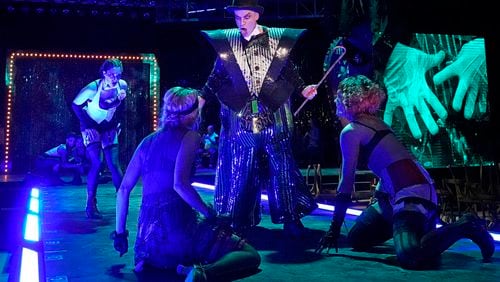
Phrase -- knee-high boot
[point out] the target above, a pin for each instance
(468, 226)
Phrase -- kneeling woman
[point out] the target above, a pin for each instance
(170, 232)
(406, 206)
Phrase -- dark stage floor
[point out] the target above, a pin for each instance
(79, 249)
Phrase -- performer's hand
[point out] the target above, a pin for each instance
(120, 241)
(470, 67)
(218, 221)
(211, 215)
(330, 239)
(122, 94)
(408, 89)
(310, 92)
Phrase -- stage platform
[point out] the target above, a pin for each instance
(78, 249)
(13, 199)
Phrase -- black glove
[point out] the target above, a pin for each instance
(330, 239)
(120, 241)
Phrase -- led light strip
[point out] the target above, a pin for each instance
(29, 266)
(9, 79)
(31, 257)
(325, 207)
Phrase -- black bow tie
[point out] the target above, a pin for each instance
(259, 39)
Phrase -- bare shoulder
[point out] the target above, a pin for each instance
(87, 93)
(350, 132)
(123, 84)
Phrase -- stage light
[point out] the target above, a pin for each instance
(35, 193)
(32, 227)
(495, 236)
(200, 11)
(29, 266)
(34, 205)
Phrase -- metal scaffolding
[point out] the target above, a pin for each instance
(162, 11)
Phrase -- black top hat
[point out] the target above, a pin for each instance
(252, 5)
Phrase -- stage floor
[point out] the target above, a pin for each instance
(79, 249)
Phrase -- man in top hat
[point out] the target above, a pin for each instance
(253, 79)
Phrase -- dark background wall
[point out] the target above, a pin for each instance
(185, 58)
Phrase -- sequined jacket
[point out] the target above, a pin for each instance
(267, 72)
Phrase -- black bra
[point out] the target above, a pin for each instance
(366, 150)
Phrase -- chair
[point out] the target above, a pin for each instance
(474, 195)
(314, 187)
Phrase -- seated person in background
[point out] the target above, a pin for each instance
(170, 233)
(81, 154)
(59, 161)
(406, 207)
(211, 145)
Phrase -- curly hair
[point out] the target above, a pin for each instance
(180, 107)
(358, 94)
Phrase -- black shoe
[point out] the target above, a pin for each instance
(93, 213)
(476, 231)
(294, 229)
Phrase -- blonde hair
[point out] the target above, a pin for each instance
(358, 94)
(180, 107)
